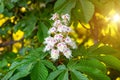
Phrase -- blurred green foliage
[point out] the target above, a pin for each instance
(98, 42)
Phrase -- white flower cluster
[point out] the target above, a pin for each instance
(58, 42)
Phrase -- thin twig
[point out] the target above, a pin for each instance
(9, 43)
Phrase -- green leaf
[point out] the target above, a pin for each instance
(80, 51)
(39, 72)
(94, 73)
(19, 75)
(110, 61)
(42, 31)
(61, 67)
(27, 24)
(83, 11)
(18, 64)
(63, 75)
(59, 4)
(104, 50)
(14, 1)
(9, 5)
(7, 13)
(14, 64)
(30, 25)
(76, 75)
(1, 7)
(37, 54)
(72, 64)
(54, 74)
(8, 75)
(20, 25)
(102, 6)
(3, 63)
(93, 48)
(24, 70)
(24, 65)
(93, 63)
(23, 3)
(49, 64)
(64, 6)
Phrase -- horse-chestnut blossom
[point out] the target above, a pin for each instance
(59, 42)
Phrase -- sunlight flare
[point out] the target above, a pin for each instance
(116, 18)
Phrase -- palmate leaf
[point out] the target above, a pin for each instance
(110, 61)
(17, 64)
(93, 47)
(94, 73)
(61, 67)
(8, 75)
(104, 50)
(59, 4)
(72, 64)
(91, 67)
(20, 75)
(63, 75)
(76, 75)
(25, 64)
(83, 11)
(23, 68)
(14, 66)
(23, 71)
(36, 54)
(49, 64)
(94, 63)
(39, 72)
(54, 74)
(97, 50)
(64, 6)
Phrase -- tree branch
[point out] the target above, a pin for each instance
(9, 43)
